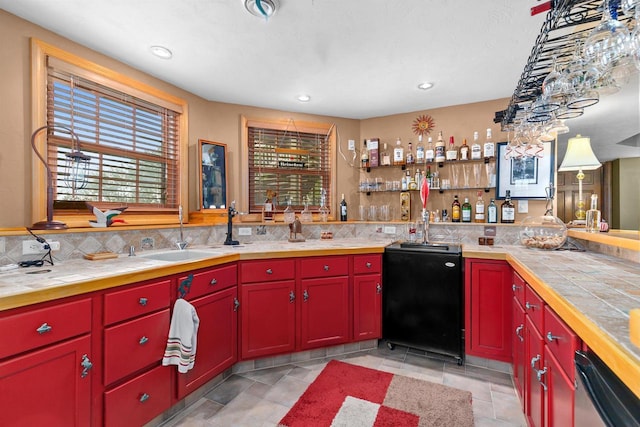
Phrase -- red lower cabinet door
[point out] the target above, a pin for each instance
(367, 307)
(324, 312)
(267, 316)
(518, 349)
(140, 399)
(560, 393)
(217, 339)
(535, 393)
(48, 387)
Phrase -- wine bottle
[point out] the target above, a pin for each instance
(479, 216)
(508, 211)
(343, 209)
(440, 155)
(466, 210)
(398, 154)
(492, 212)
(364, 157)
(455, 209)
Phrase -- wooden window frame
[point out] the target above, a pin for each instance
(40, 51)
(288, 125)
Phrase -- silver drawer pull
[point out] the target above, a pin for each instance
(86, 366)
(552, 337)
(515, 287)
(378, 288)
(144, 397)
(292, 296)
(213, 282)
(535, 360)
(530, 306)
(143, 340)
(236, 304)
(143, 301)
(305, 296)
(368, 265)
(326, 268)
(269, 271)
(43, 329)
(539, 374)
(518, 330)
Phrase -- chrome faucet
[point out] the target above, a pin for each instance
(425, 226)
(182, 244)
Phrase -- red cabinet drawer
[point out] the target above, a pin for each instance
(32, 329)
(534, 306)
(267, 271)
(518, 288)
(212, 280)
(561, 340)
(329, 266)
(136, 301)
(134, 345)
(138, 401)
(370, 263)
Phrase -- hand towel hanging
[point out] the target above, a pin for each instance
(183, 333)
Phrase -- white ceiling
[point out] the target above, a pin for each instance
(355, 58)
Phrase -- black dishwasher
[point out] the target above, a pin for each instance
(423, 298)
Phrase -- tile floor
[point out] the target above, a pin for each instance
(262, 397)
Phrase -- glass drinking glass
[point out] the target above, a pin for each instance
(477, 170)
(455, 176)
(608, 40)
(466, 174)
(373, 212)
(362, 213)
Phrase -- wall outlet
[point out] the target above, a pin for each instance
(244, 231)
(523, 206)
(389, 229)
(352, 144)
(31, 247)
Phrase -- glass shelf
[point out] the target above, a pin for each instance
(440, 190)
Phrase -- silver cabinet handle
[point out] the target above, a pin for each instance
(292, 296)
(539, 374)
(530, 306)
(305, 296)
(518, 330)
(144, 397)
(378, 288)
(143, 340)
(326, 268)
(44, 328)
(552, 337)
(86, 366)
(269, 271)
(236, 304)
(368, 265)
(535, 360)
(515, 287)
(213, 282)
(143, 301)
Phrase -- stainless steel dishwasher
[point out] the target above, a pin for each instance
(423, 298)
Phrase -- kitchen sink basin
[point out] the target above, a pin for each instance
(176, 255)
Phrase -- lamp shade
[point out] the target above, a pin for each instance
(579, 155)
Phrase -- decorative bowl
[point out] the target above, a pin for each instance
(543, 232)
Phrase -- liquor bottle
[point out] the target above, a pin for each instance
(420, 151)
(364, 157)
(429, 177)
(479, 217)
(306, 215)
(440, 157)
(412, 184)
(398, 154)
(268, 207)
(508, 211)
(476, 149)
(455, 209)
(418, 178)
(289, 213)
(429, 154)
(410, 159)
(324, 211)
(404, 184)
(452, 152)
(492, 212)
(593, 216)
(343, 209)
(385, 157)
(489, 146)
(466, 210)
(463, 150)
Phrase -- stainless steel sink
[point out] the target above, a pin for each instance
(176, 255)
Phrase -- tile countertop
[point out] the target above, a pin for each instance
(592, 292)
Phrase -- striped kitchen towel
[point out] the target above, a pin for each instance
(183, 334)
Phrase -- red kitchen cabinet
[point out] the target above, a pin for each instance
(520, 369)
(560, 392)
(217, 339)
(267, 318)
(534, 391)
(48, 387)
(367, 297)
(324, 312)
(488, 306)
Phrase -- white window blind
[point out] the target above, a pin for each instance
(133, 143)
(294, 164)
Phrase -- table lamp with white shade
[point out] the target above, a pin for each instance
(579, 157)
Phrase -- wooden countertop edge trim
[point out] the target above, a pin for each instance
(611, 352)
(607, 239)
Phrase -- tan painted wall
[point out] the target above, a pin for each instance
(208, 120)
(626, 194)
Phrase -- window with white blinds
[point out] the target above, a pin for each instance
(133, 143)
(294, 164)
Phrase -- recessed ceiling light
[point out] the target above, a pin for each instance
(425, 86)
(261, 8)
(161, 52)
(304, 98)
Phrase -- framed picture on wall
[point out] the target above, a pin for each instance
(527, 177)
(212, 158)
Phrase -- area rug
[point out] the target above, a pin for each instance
(354, 396)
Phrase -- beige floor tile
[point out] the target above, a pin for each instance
(286, 391)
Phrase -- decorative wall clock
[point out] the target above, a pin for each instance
(423, 125)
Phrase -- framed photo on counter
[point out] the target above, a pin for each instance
(527, 177)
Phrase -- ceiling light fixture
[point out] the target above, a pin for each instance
(304, 98)
(261, 8)
(161, 52)
(425, 86)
